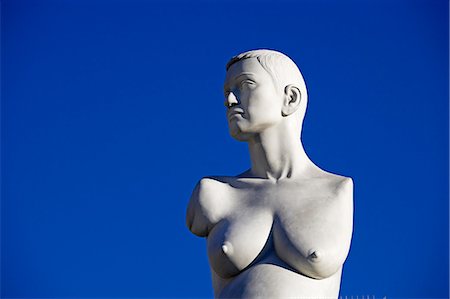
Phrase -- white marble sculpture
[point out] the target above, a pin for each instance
(281, 229)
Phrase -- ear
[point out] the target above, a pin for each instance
(292, 99)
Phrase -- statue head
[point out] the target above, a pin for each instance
(263, 89)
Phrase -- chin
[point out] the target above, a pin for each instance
(239, 135)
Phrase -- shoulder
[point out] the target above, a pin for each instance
(339, 212)
(337, 204)
(211, 189)
(207, 205)
(340, 186)
(340, 196)
(332, 248)
(343, 186)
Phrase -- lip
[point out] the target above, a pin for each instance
(235, 115)
(234, 112)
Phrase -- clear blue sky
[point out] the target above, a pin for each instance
(112, 111)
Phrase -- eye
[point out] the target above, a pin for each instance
(246, 83)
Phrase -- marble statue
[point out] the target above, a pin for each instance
(281, 229)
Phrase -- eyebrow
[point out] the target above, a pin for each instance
(246, 74)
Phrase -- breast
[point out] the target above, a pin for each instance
(313, 235)
(236, 241)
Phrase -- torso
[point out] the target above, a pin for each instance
(262, 235)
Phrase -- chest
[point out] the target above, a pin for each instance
(294, 217)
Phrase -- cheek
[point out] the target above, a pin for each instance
(264, 106)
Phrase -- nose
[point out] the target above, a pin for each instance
(231, 100)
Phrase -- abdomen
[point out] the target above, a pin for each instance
(272, 278)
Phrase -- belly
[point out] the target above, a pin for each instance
(272, 278)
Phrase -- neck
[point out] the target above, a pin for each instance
(278, 153)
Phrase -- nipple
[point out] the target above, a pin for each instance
(314, 255)
(227, 248)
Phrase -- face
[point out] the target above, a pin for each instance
(252, 100)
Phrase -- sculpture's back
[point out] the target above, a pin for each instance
(282, 228)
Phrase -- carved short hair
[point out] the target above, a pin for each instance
(279, 66)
